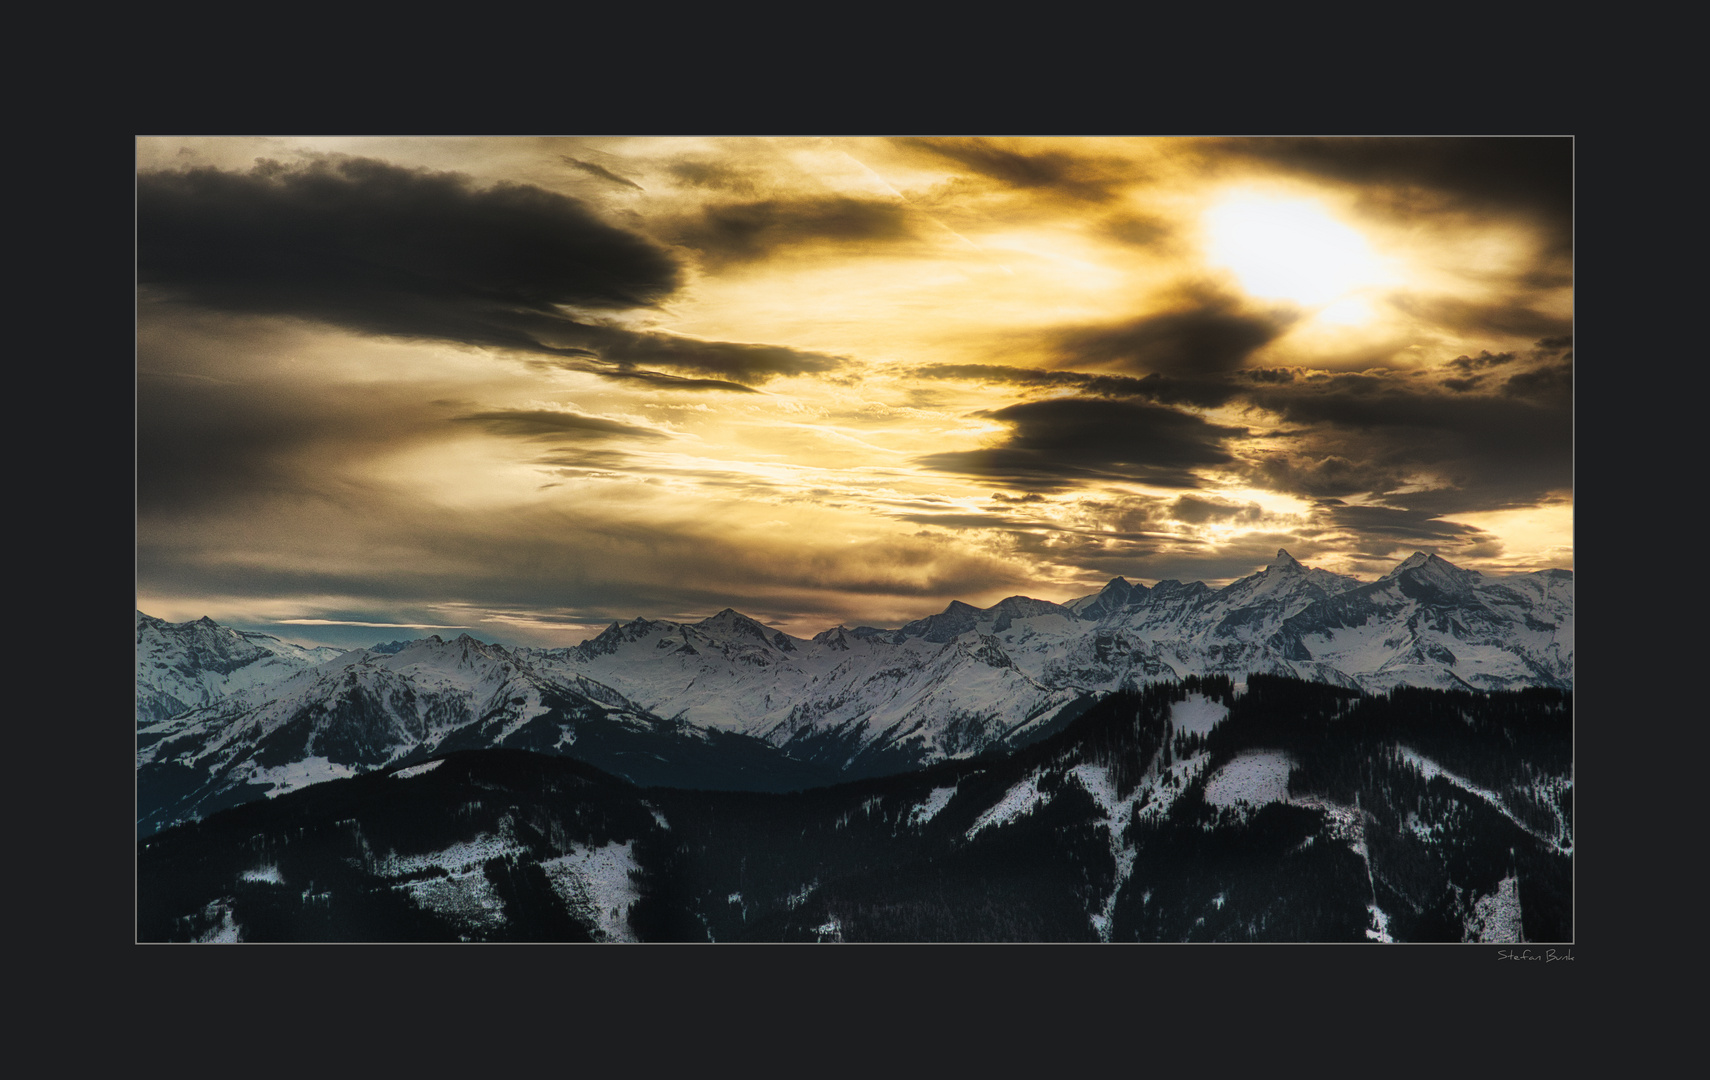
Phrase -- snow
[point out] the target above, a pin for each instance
(1496, 918)
(458, 858)
(1378, 916)
(1018, 800)
(1198, 714)
(596, 885)
(1254, 777)
(799, 897)
(1430, 769)
(226, 933)
(467, 898)
(299, 774)
(1097, 781)
(928, 808)
(266, 874)
(832, 928)
(1168, 784)
(417, 770)
(464, 895)
(1348, 824)
(728, 671)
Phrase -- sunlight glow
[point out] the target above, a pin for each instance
(1290, 249)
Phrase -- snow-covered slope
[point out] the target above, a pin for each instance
(861, 701)
(184, 665)
(367, 709)
(844, 693)
(957, 682)
(1430, 623)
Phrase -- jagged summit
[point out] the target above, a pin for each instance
(1413, 561)
(1434, 574)
(1284, 561)
(732, 620)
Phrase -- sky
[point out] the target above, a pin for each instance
(524, 387)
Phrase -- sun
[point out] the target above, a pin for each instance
(1294, 250)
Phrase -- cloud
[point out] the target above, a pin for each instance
(1324, 476)
(718, 176)
(745, 232)
(554, 424)
(204, 443)
(671, 382)
(1168, 391)
(1470, 318)
(1384, 433)
(1550, 385)
(1467, 365)
(1208, 335)
(739, 361)
(385, 250)
(1474, 369)
(373, 246)
(1196, 511)
(1527, 177)
(1378, 525)
(1063, 441)
(1082, 177)
(600, 171)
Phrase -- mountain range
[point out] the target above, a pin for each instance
(225, 717)
(1195, 811)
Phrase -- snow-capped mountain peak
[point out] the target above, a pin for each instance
(181, 666)
(1284, 561)
(1433, 574)
(949, 685)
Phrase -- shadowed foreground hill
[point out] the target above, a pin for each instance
(1292, 812)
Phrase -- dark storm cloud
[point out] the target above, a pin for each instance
(1197, 511)
(1372, 432)
(1378, 524)
(1208, 336)
(1474, 369)
(1078, 176)
(739, 361)
(1326, 476)
(744, 232)
(551, 424)
(385, 250)
(1551, 384)
(1061, 441)
(675, 382)
(1530, 177)
(1154, 387)
(1467, 365)
(600, 171)
(1368, 401)
(366, 244)
(618, 352)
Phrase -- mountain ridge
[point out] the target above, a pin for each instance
(861, 701)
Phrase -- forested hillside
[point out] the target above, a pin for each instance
(1279, 810)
